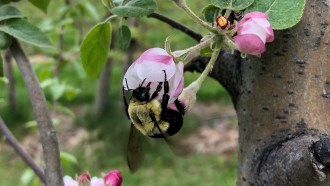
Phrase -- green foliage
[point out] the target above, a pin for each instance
(1, 67)
(41, 4)
(25, 31)
(135, 8)
(232, 4)
(8, 12)
(124, 37)
(94, 49)
(282, 14)
(5, 40)
(210, 13)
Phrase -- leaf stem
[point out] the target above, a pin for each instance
(182, 4)
(109, 18)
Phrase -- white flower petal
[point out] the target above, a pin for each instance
(95, 181)
(68, 181)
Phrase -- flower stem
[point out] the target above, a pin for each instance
(208, 68)
(182, 4)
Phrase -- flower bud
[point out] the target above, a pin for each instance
(253, 31)
(113, 178)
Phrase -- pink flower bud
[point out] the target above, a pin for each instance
(150, 67)
(113, 178)
(254, 30)
(84, 179)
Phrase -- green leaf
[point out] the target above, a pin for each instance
(232, 4)
(94, 49)
(41, 4)
(1, 67)
(65, 156)
(135, 8)
(5, 40)
(27, 176)
(25, 31)
(210, 13)
(282, 13)
(124, 37)
(8, 12)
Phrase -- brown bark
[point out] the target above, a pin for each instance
(282, 101)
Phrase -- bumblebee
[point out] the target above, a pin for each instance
(150, 117)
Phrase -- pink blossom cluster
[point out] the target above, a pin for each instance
(112, 178)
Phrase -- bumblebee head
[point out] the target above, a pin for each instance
(141, 93)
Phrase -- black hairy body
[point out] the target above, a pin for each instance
(150, 117)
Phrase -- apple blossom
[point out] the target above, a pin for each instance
(68, 181)
(113, 178)
(253, 31)
(149, 67)
(84, 179)
(95, 181)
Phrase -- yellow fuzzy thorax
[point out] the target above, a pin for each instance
(139, 113)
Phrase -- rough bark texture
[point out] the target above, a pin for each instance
(282, 101)
(283, 104)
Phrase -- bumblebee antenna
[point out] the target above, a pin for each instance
(142, 82)
(127, 85)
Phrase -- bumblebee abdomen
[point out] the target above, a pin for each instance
(140, 112)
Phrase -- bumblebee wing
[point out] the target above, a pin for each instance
(134, 150)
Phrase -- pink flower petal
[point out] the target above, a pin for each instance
(252, 27)
(250, 44)
(113, 178)
(133, 80)
(176, 83)
(68, 181)
(153, 71)
(95, 181)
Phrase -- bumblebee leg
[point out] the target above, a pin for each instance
(181, 108)
(161, 134)
(166, 97)
(125, 103)
(158, 89)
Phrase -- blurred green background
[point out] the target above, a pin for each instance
(98, 144)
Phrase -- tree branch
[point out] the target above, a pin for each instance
(177, 26)
(226, 70)
(40, 109)
(10, 138)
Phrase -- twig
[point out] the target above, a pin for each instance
(9, 72)
(177, 25)
(10, 138)
(47, 132)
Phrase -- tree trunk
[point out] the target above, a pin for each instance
(103, 90)
(282, 102)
